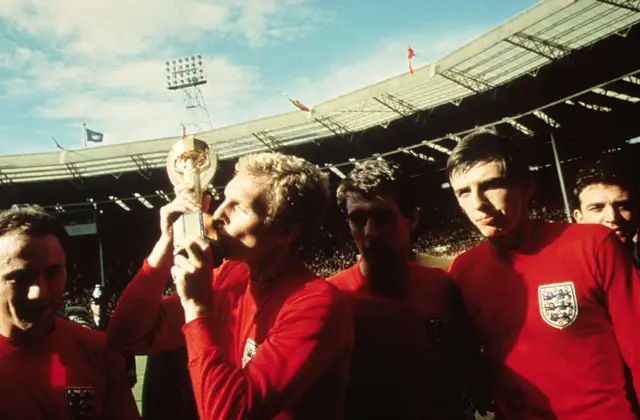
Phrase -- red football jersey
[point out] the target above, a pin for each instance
(404, 362)
(268, 350)
(558, 319)
(69, 375)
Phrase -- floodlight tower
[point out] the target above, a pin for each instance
(187, 75)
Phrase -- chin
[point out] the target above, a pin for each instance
(36, 326)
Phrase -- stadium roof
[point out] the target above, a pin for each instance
(547, 32)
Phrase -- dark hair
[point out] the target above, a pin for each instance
(607, 171)
(32, 221)
(379, 177)
(484, 146)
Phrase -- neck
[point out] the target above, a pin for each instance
(275, 265)
(389, 280)
(24, 337)
(516, 238)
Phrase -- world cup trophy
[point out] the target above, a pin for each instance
(192, 161)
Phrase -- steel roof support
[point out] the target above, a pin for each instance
(466, 80)
(144, 169)
(334, 126)
(76, 176)
(74, 171)
(270, 141)
(543, 47)
(397, 105)
(5, 179)
(633, 5)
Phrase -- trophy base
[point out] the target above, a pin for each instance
(188, 225)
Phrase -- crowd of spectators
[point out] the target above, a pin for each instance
(329, 253)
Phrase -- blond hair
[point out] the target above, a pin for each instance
(298, 193)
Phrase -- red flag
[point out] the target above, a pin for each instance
(410, 55)
(299, 105)
(57, 144)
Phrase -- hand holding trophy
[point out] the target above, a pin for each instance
(191, 160)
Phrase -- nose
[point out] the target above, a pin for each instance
(38, 290)
(220, 215)
(370, 228)
(477, 199)
(610, 214)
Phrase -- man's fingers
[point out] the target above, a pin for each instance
(182, 188)
(184, 264)
(177, 274)
(198, 251)
(181, 205)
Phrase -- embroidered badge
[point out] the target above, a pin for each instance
(81, 402)
(436, 329)
(250, 349)
(558, 304)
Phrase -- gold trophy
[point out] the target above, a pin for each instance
(191, 160)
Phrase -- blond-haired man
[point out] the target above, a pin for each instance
(266, 338)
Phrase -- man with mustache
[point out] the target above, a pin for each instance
(404, 364)
(266, 338)
(49, 367)
(556, 306)
(605, 195)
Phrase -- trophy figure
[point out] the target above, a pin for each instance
(191, 160)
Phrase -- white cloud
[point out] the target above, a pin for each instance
(130, 102)
(108, 28)
(125, 96)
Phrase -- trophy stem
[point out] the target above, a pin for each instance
(193, 177)
(191, 161)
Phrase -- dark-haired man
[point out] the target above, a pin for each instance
(604, 194)
(556, 305)
(404, 364)
(49, 367)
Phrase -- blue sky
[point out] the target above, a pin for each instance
(65, 62)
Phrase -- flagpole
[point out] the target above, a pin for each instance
(567, 209)
(84, 134)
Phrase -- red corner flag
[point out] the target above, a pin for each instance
(298, 104)
(410, 55)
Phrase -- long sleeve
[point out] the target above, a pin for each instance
(469, 367)
(621, 287)
(311, 332)
(143, 322)
(119, 403)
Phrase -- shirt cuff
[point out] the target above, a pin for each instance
(199, 336)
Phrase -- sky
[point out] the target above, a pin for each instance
(102, 62)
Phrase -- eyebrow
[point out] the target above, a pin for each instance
(18, 271)
(484, 182)
(615, 202)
